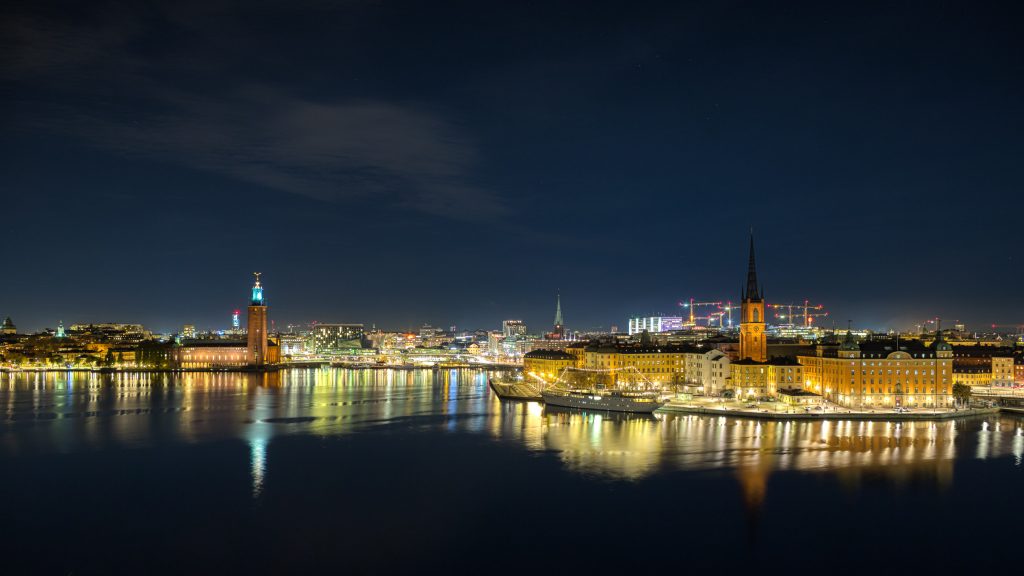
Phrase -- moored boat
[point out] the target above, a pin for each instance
(606, 400)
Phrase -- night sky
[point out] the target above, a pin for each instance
(458, 162)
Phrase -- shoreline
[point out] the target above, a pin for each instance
(244, 369)
(703, 411)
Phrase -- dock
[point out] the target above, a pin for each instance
(520, 391)
(680, 408)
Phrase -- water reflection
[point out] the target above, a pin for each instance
(258, 464)
(70, 412)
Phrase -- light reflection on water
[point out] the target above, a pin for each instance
(70, 412)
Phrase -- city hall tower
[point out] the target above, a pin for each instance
(753, 344)
(257, 349)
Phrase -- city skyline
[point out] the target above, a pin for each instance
(399, 287)
(540, 327)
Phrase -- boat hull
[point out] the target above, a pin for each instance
(603, 403)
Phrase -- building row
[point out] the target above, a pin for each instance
(872, 372)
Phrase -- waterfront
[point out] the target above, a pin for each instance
(381, 472)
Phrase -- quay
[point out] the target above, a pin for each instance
(515, 391)
(830, 414)
(519, 391)
(302, 365)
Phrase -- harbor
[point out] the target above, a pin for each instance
(521, 391)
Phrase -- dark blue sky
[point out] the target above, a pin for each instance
(457, 162)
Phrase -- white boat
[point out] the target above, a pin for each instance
(606, 400)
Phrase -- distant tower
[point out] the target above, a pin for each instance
(60, 329)
(8, 327)
(236, 325)
(559, 332)
(257, 351)
(753, 344)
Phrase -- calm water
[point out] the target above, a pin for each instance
(335, 471)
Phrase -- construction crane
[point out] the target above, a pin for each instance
(721, 318)
(806, 307)
(693, 305)
(809, 318)
(728, 313)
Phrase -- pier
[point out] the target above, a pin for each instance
(515, 391)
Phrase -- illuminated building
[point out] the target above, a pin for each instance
(972, 375)
(655, 324)
(111, 332)
(799, 397)
(293, 345)
(257, 327)
(513, 348)
(431, 336)
(753, 343)
(60, 330)
(494, 340)
(754, 375)
(708, 370)
(644, 362)
(511, 328)
(198, 354)
(188, 331)
(748, 378)
(8, 327)
(547, 364)
(983, 365)
(753, 379)
(257, 350)
(235, 322)
(882, 373)
(332, 338)
(785, 374)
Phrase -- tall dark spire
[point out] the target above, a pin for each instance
(558, 309)
(752, 291)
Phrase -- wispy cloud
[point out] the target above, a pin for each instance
(402, 154)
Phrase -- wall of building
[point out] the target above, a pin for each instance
(210, 356)
(899, 379)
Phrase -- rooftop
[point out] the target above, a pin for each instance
(548, 355)
(796, 392)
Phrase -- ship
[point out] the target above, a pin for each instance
(608, 400)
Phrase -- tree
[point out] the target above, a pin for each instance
(962, 393)
(109, 359)
(120, 359)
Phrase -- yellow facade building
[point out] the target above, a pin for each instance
(882, 373)
(983, 365)
(662, 365)
(752, 379)
(547, 364)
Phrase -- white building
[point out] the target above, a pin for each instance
(708, 369)
(654, 324)
(511, 328)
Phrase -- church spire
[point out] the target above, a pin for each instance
(558, 310)
(752, 292)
